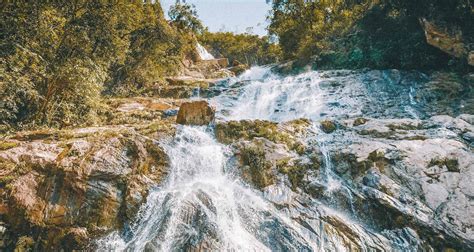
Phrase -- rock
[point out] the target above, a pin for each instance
(25, 243)
(256, 164)
(467, 118)
(328, 126)
(238, 69)
(75, 239)
(469, 137)
(360, 121)
(448, 39)
(286, 133)
(268, 150)
(423, 180)
(73, 190)
(236, 63)
(195, 113)
(223, 62)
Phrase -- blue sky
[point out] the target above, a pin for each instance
(230, 15)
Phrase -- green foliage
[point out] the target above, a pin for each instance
(365, 33)
(56, 57)
(184, 16)
(245, 48)
(307, 28)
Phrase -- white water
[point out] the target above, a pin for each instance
(203, 53)
(203, 205)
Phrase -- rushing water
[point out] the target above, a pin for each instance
(203, 53)
(204, 205)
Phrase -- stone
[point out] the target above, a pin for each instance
(360, 121)
(448, 39)
(223, 62)
(238, 69)
(73, 190)
(195, 113)
(328, 126)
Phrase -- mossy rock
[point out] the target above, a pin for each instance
(360, 121)
(451, 164)
(233, 131)
(255, 166)
(5, 145)
(328, 126)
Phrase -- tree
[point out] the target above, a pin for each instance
(56, 57)
(184, 16)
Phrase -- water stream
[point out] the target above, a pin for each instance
(204, 205)
(203, 53)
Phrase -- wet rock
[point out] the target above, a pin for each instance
(360, 121)
(238, 69)
(469, 137)
(195, 113)
(328, 126)
(416, 179)
(258, 167)
(267, 150)
(286, 133)
(171, 112)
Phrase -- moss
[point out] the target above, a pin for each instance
(328, 126)
(229, 132)
(360, 121)
(259, 170)
(417, 137)
(25, 243)
(160, 127)
(5, 145)
(404, 126)
(377, 134)
(451, 164)
(295, 172)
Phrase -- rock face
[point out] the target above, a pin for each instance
(73, 189)
(448, 39)
(266, 149)
(402, 175)
(195, 113)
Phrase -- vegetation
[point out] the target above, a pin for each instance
(58, 58)
(366, 33)
(184, 16)
(245, 48)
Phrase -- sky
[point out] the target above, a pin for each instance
(230, 15)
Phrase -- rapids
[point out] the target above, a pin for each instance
(204, 205)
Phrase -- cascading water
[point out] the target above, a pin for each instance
(203, 53)
(203, 205)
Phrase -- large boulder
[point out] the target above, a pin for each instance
(449, 39)
(196, 113)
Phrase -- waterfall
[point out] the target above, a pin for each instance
(203, 53)
(204, 205)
